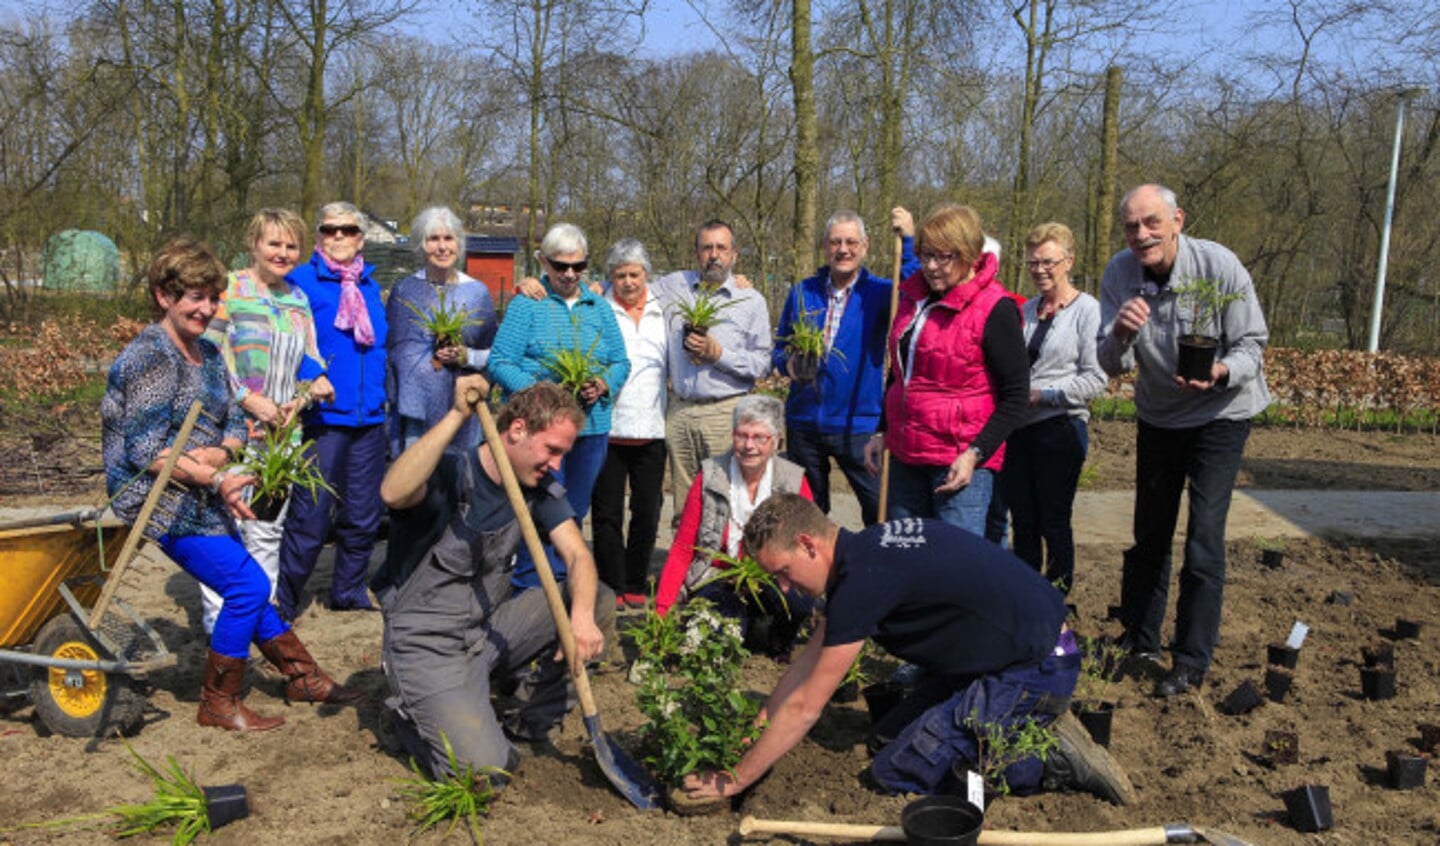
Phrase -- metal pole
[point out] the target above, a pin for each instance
(1374, 345)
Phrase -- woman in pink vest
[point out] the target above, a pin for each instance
(960, 379)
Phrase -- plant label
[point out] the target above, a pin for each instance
(1297, 635)
(975, 789)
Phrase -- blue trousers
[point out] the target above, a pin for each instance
(925, 750)
(1042, 470)
(352, 460)
(221, 563)
(1208, 458)
(813, 451)
(578, 473)
(912, 494)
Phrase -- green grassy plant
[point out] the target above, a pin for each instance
(446, 323)
(574, 367)
(178, 801)
(464, 795)
(1099, 660)
(279, 461)
(704, 312)
(745, 575)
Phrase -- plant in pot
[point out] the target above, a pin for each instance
(805, 345)
(1199, 346)
(697, 716)
(1099, 660)
(575, 367)
(1000, 744)
(279, 461)
(445, 323)
(181, 802)
(701, 313)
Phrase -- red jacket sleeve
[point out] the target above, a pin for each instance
(682, 550)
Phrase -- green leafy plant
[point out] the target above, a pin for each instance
(1206, 302)
(1000, 745)
(703, 312)
(574, 367)
(465, 794)
(697, 718)
(857, 674)
(745, 575)
(178, 800)
(446, 323)
(280, 460)
(658, 638)
(1099, 659)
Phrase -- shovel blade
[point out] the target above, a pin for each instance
(632, 780)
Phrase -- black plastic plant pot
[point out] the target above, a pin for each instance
(1243, 699)
(1281, 655)
(1282, 747)
(805, 367)
(226, 804)
(267, 508)
(1309, 808)
(1277, 684)
(1097, 719)
(1378, 655)
(1429, 738)
(1407, 770)
(1115, 612)
(1196, 358)
(1272, 558)
(881, 698)
(1377, 683)
(1406, 629)
(941, 821)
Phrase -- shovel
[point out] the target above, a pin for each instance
(1155, 836)
(633, 782)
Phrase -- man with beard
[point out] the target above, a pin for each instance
(452, 622)
(1188, 431)
(709, 370)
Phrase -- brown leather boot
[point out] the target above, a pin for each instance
(220, 703)
(308, 683)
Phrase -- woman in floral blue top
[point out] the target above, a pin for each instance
(151, 387)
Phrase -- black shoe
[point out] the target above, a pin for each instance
(1080, 764)
(1180, 679)
(1127, 646)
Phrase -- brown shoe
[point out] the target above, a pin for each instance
(220, 703)
(308, 683)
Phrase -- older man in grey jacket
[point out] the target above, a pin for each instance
(1188, 430)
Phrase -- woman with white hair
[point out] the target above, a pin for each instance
(421, 377)
(570, 321)
(726, 491)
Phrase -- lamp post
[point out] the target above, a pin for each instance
(1375, 311)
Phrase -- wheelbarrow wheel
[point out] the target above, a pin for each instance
(81, 703)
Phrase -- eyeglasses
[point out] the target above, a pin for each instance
(330, 230)
(757, 440)
(937, 259)
(563, 266)
(1042, 264)
(847, 243)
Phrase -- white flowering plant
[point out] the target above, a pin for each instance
(697, 718)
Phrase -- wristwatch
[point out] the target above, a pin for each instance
(216, 480)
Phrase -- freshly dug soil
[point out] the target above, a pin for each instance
(326, 776)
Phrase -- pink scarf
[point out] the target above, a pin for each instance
(352, 313)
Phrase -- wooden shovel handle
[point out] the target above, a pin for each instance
(1155, 836)
(884, 504)
(537, 552)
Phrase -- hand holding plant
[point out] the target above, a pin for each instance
(278, 461)
(446, 324)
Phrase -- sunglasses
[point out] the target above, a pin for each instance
(349, 230)
(562, 266)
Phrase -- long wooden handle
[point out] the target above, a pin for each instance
(884, 372)
(537, 552)
(1155, 836)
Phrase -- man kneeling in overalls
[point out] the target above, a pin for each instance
(987, 631)
(451, 622)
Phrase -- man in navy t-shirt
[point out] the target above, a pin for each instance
(988, 631)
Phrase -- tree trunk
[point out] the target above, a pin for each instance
(807, 151)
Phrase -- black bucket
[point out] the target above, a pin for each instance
(941, 821)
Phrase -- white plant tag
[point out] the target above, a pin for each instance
(1297, 635)
(975, 789)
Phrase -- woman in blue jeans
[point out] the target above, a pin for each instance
(148, 394)
(1045, 453)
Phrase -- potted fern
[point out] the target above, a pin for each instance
(445, 323)
(279, 461)
(1199, 346)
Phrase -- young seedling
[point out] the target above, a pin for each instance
(445, 323)
(700, 315)
(465, 794)
(1001, 745)
(1099, 660)
(178, 801)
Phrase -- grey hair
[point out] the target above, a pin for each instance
(563, 238)
(627, 251)
(433, 221)
(340, 208)
(1172, 202)
(760, 408)
(845, 216)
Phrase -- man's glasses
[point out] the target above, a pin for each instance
(329, 230)
(757, 440)
(1042, 264)
(847, 243)
(562, 266)
(937, 259)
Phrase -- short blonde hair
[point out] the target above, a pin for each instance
(952, 228)
(285, 220)
(1051, 231)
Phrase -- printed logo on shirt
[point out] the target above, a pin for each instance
(903, 534)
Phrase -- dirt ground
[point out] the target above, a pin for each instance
(327, 775)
